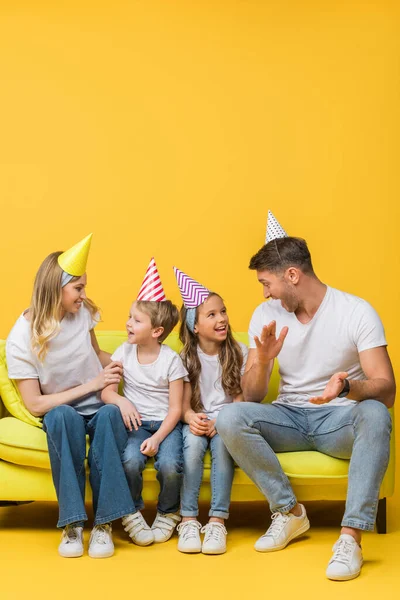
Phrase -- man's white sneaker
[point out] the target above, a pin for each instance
(215, 538)
(282, 529)
(164, 525)
(71, 545)
(189, 537)
(346, 561)
(101, 544)
(139, 532)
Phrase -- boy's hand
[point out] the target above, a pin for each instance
(130, 415)
(211, 428)
(199, 424)
(150, 446)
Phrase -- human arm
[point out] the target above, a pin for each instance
(104, 357)
(129, 413)
(198, 422)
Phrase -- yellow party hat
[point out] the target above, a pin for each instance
(73, 261)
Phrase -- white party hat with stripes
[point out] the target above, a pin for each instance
(192, 292)
(274, 229)
(152, 289)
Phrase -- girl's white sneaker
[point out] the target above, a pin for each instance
(215, 538)
(189, 537)
(101, 544)
(137, 528)
(71, 545)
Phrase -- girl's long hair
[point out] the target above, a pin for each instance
(230, 357)
(46, 308)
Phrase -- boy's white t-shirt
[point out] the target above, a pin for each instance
(342, 327)
(212, 394)
(70, 360)
(147, 386)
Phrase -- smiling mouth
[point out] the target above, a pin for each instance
(221, 329)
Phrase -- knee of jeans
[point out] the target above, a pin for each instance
(169, 469)
(110, 411)
(375, 416)
(229, 419)
(61, 413)
(133, 464)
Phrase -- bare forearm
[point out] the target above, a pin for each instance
(375, 389)
(42, 404)
(168, 425)
(255, 382)
(110, 396)
(104, 358)
(187, 415)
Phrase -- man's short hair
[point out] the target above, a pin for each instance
(162, 314)
(280, 254)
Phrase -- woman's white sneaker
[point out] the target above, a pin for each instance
(71, 545)
(137, 528)
(101, 544)
(214, 539)
(283, 529)
(164, 526)
(189, 537)
(346, 561)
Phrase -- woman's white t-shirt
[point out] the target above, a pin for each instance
(212, 394)
(147, 386)
(70, 360)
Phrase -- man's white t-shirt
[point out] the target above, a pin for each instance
(342, 327)
(147, 386)
(70, 360)
(212, 394)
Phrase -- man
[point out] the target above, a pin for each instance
(336, 385)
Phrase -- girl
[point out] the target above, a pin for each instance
(60, 370)
(215, 362)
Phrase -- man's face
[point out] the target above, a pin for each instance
(279, 287)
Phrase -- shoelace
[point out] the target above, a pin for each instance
(166, 522)
(188, 529)
(214, 531)
(70, 534)
(134, 523)
(342, 551)
(278, 522)
(101, 534)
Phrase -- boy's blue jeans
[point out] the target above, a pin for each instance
(168, 464)
(254, 432)
(222, 470)
(66, 438)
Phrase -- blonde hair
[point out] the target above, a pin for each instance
(162, 314)
(46, 307)
(230, 357)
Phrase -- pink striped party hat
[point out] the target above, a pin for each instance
(152, 288)
(274, 229)
(193, 293)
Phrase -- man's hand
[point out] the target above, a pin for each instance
(268, 345)
(150, 446)
(332, 390)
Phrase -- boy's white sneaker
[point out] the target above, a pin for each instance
(284, 527)
(346, 561)
(214, 539)
(71, 545)
(189, 537)
(101, 544)
(137, 528)
(164, 526)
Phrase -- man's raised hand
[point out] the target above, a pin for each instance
(268, 345)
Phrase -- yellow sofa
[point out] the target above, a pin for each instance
(25, 468)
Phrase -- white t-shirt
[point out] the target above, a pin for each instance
(342, 327)
(147, 386)
(70, 360)
(212, 394)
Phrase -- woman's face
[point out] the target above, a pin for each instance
(73, 294)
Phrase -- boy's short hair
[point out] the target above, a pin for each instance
(162, 314)
(282, 253)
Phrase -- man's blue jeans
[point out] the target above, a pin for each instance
(168, 464)
(222, 469)
(254, 432)
(66, 438)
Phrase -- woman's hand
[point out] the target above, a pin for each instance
(150, 446)
(198, 424)
(129, 413)
(112, 373)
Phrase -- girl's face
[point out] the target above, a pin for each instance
(212, 320)
(73, 295)
(138, 326)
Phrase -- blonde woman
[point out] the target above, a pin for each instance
(60, 370)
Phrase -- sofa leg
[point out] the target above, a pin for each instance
(381, 516)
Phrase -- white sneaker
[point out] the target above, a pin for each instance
(71, 542)
(283, 529)
(139, 532)
(346, 561)
(215, 538)
(164, 525)
(101, 544)
(189, 537)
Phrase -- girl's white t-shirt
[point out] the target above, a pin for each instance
(212, 394)
(70, 360)
(147, 386)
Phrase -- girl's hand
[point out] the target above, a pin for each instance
(150, 446)
(130, 415)
(198, 424)
(112, 373)
(211, 428)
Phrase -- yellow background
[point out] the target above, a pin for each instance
(168, 128)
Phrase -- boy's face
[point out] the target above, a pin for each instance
(139, 326)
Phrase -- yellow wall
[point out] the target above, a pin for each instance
(170, 128)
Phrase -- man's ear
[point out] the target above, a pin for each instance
(293, 275)
(157, 332)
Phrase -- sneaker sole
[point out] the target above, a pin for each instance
(295, 534)
(142, 543)
(344, 577)
(76, 555)
(106, 555)
(190, 550)
(210, 552)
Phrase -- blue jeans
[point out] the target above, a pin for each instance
(168, 464)
(254, 432)
(66, 438)
(222, 469)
